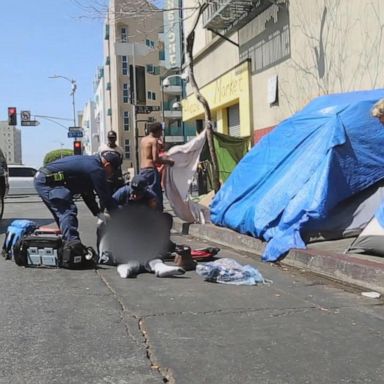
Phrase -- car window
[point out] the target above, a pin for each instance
(22, 172)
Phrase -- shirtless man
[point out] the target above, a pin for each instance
(149, 157)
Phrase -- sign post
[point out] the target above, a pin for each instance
(75, 132)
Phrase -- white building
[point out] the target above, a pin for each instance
(100, 109)
(88, 123)
(10, 143)
(131, 73)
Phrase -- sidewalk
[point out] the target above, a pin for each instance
(324, 258)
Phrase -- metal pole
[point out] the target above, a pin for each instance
(136, 133)
(74, 108)
(162, 109)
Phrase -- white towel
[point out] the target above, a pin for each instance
(177, 179)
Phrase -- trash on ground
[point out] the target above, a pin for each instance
(229, 271)
(371, 294)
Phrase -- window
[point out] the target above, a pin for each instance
(126, 120)
(151, 95)
(21, 171)
(153, 69)
(150, 43)
(127, 149)
(125, 93)
(124, 65)
(123, 35)
(108, 86)
(107, 60)
(106, 35)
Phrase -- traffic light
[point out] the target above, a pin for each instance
(12, 116)
(77, 147)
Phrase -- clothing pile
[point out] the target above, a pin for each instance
(229, 271)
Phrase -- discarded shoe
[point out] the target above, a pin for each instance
(183, 258)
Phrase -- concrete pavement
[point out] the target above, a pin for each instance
(62, 326)
(325, 258)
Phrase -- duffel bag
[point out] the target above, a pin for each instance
(38, 251)
(76, 255)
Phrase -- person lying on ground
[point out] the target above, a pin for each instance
(138, 240)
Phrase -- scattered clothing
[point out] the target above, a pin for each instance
(229, 271)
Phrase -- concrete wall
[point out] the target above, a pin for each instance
(312, 48)
(10, 143)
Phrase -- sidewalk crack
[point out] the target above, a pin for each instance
(165, 373)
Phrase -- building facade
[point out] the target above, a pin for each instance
(90, 128)
(281, 54)
(10, 143)
(132, 91)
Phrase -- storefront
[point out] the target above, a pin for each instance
(229, 97)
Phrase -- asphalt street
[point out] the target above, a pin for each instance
(62, 326)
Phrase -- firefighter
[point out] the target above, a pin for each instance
(60, 180)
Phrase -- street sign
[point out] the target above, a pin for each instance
(73, 133)
(74, 129)
(147, 108)
(25, 115)
(30, 123)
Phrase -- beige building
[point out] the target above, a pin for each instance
(131, 74)
(281, 54)
(10, 143)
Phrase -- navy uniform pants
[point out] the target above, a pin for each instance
(59, 200)
(152, 176)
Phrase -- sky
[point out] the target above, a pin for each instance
(38, 39)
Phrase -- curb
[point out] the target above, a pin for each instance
(362, 271)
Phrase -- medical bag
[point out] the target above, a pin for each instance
(39, 251)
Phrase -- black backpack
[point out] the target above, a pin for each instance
(76, 255)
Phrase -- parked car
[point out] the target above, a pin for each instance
(21, 180)
(3, 181)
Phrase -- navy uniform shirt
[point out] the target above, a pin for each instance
(83, 175)
(123, 197)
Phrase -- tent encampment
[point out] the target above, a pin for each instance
(330, 151)
(371, 239)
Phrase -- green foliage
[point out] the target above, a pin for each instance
(57, 154)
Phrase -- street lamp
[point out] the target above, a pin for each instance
(73, 87)
(167, 83)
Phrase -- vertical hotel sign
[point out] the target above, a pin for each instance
(172, 34)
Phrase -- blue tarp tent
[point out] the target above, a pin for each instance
(323, 154)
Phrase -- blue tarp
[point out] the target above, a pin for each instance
(328, 151)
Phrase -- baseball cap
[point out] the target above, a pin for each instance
(112, 157)
(139, 183)
(112, 135)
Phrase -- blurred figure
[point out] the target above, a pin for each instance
(139, 235)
